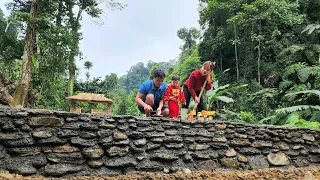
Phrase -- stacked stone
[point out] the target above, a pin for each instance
(54, 143)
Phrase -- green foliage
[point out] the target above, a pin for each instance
(295, 120)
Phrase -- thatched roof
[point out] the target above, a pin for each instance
(90, 98)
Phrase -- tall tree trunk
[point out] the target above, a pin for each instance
(236, 50)
(20, 95)
(259, 55)
(220, 54)
(59, 15)
(75, 26)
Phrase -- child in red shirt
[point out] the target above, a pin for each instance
(173, 95)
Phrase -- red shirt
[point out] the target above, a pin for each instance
(174, 93)
(196, 81)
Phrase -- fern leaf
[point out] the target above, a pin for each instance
(305, 73)
(297, 108)
(285, 84)
(291, 50)
(293, 69)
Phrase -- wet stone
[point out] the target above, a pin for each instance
(123, 127)
(93, 153)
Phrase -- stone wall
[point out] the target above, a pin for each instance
(52, 143)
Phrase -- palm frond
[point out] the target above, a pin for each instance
(316, 92)
(297, 108)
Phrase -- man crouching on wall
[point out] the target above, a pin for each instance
(150, 95)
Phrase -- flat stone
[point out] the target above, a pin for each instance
(121, 142)
(45, 121)
(198, 147)
(40, 112)
(278, 159)
(22, 169)
(106, 141)
(150, 166)
(258, 162)
(19, 122)
(231, 153)
(230, 163)
(119, 136)
(11, 136)
(26, 128)
(140, 158)
(304, 152)
(61, 169)
(261, 144)
(315, 150)
(63, 133)
(26, 141)
(171, 132)
(208, 165)
(189, 139)
(39, 161)
(140, 142)
(219, 139)
(296, 147)
(242, 159)
(88, 135)
(283, 147)
(164, 157)
(219, 146)
(93, 153)
(203, 139)
(66, 158)
(173, 145)
(136, 135)
(65, 149)
(104, 133)
(84, 118)
(220, 126)
(24, 151)
(120, 162)
(146, 129)
(239, 143)
(200, 155)
(19, 114)
(154, 134)
(95, 163)
(107, 126)
(314, 158)
(152, 146)
(52, 141)
(123, 127)
(90, 127)
(271, 133)
(82, 142)
(70, 119)
(117, 151)
(173, 139)
(301, 162)
(42, 134)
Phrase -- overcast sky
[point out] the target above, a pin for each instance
(144, 30)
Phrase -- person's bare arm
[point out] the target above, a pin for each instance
(140, 102)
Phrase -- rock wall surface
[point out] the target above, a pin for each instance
(54, 143)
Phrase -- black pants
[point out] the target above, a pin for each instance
(188, 96)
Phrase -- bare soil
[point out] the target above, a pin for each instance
(262, 174)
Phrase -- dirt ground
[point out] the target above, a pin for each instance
(262, 174)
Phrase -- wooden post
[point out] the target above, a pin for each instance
(72, 105)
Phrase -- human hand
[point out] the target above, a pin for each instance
(158, 111)
(208, 78)
(197, 100)
(147, 108)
